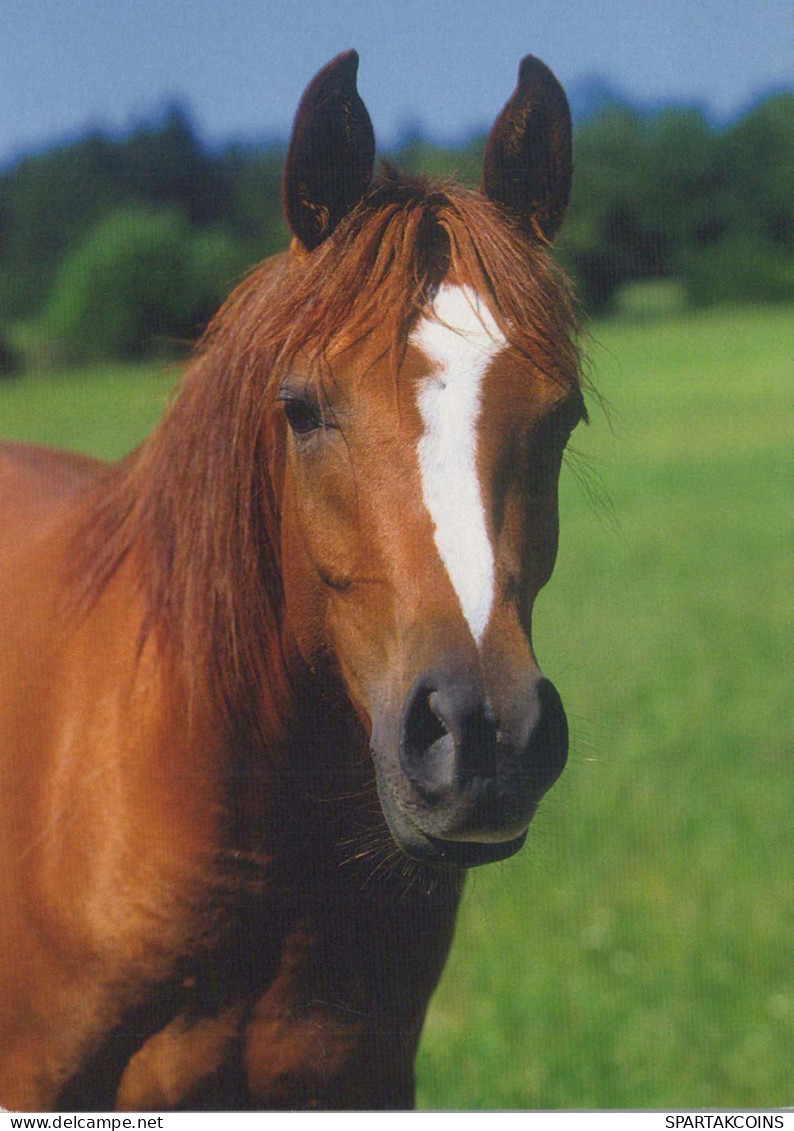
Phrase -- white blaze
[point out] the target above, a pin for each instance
(460, 340)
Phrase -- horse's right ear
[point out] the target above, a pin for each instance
(331, 154)
(528, 165)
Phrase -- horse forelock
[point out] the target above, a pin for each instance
(386, 261)
(200, 500)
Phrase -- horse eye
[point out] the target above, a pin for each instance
(302, 417)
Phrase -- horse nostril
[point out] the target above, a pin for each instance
(427, 748)
(425, 725)
(449, 739)
(547, 744)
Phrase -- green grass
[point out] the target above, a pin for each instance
(639, 952)
(103, 410)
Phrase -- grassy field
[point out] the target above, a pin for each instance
(640, 951)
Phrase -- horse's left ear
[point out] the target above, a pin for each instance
(528, 164)
(331, 154)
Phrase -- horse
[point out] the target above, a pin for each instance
(267, 684)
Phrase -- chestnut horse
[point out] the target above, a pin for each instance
(267, 687)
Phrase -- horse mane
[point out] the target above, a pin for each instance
(198, 502)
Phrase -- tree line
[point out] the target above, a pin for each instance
(123, 247)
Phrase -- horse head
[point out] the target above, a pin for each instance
(422, 435)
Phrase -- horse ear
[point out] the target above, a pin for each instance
(331, 154)
(528, 164)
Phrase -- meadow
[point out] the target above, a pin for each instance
(639, 952)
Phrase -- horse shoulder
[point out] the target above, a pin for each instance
(108, 825)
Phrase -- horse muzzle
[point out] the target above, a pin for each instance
(468, 775)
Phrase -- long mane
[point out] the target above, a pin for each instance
(197, 504)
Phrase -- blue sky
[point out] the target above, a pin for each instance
(240, 65)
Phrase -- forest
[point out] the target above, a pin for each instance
(122, 247)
